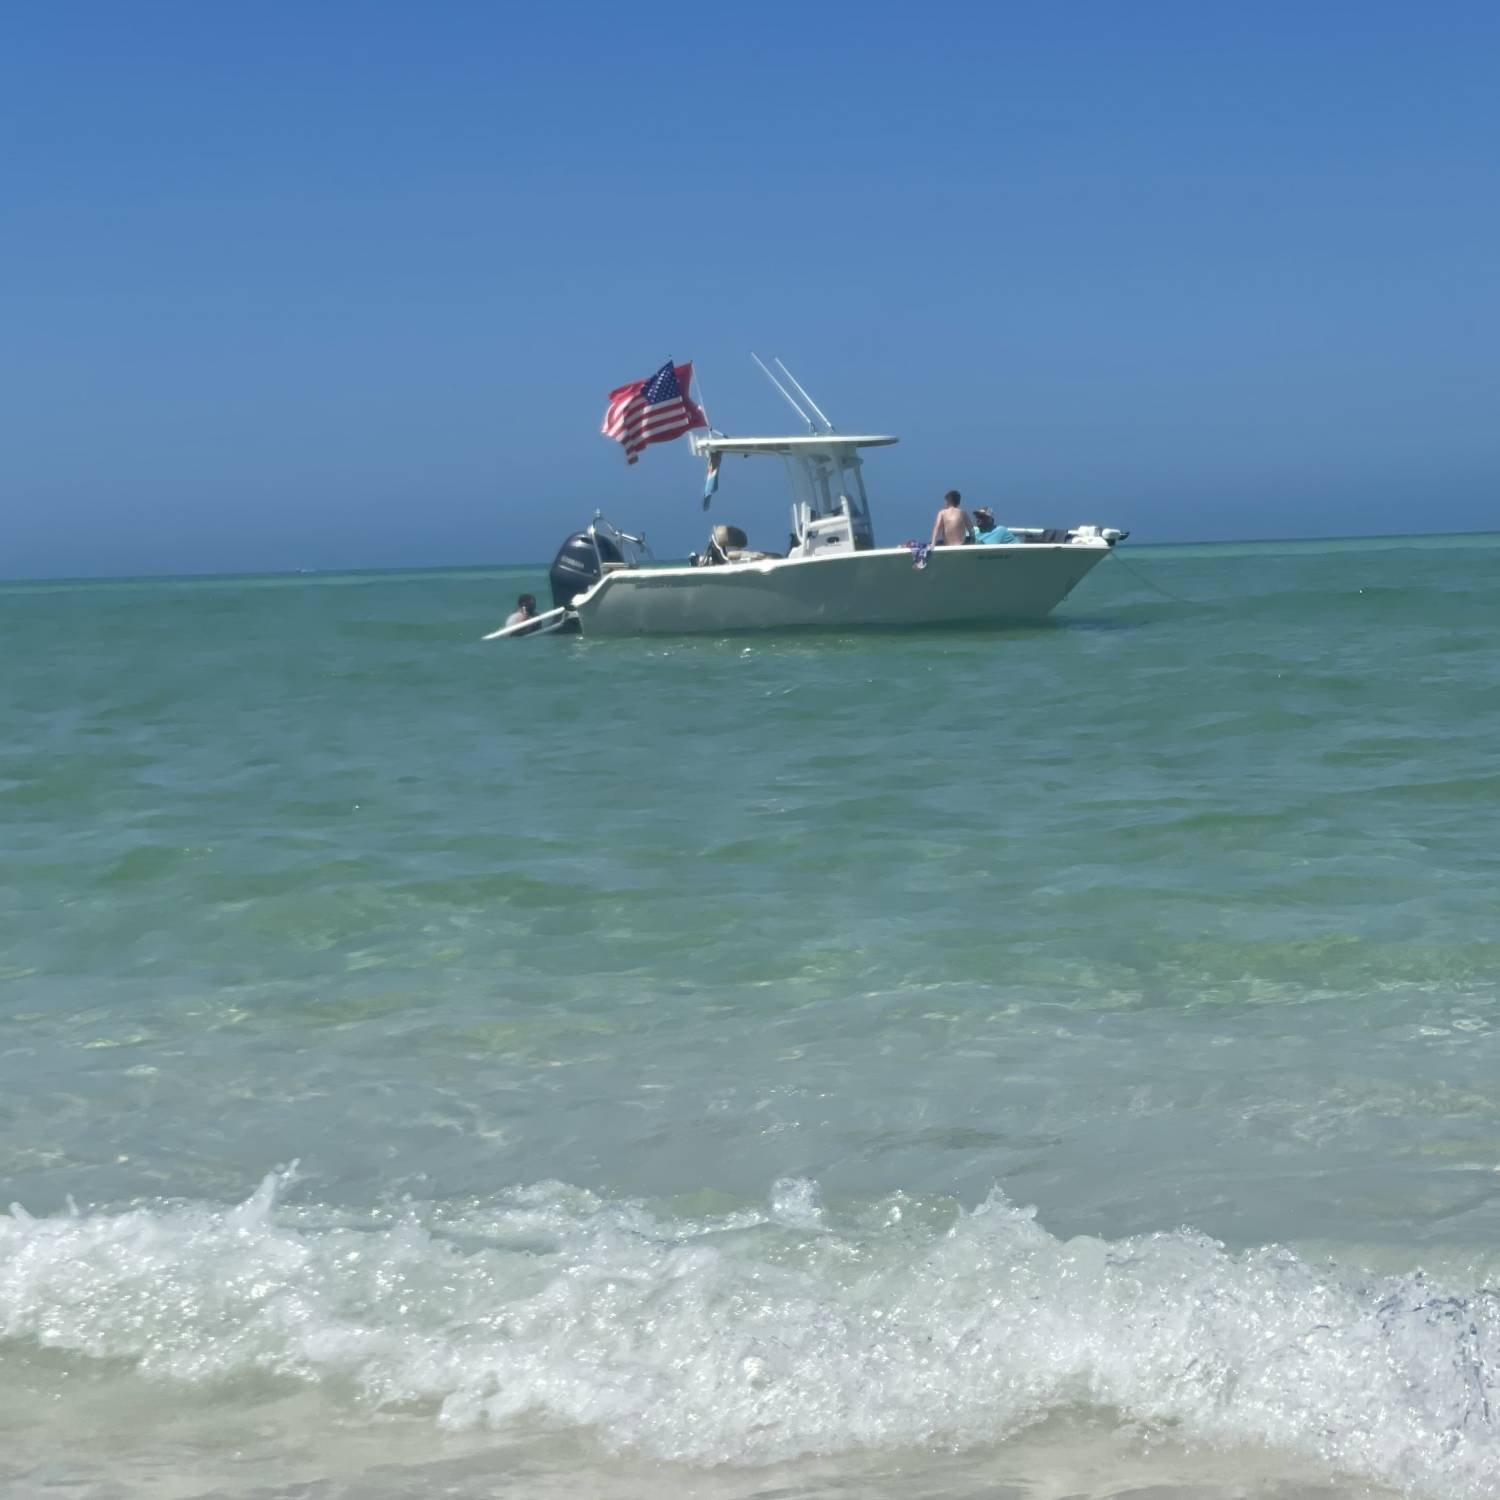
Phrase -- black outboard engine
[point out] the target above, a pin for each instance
(575, 569)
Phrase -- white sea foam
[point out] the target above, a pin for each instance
(763, 1335)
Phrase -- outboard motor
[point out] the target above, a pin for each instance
(575, 569)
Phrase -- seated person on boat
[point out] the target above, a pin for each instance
(988, 530)
(953, 525)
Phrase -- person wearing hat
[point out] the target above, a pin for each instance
(525, 610)
(988, 530)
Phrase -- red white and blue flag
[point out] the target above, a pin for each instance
(653, 410)
(711, 479)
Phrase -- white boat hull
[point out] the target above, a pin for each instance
(973, 585)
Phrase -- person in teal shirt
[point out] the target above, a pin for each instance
(988, 529)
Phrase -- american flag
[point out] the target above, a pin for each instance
(653, 410)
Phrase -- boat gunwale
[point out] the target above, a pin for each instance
(767, 564)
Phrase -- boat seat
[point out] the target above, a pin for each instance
(615, 567)
(749, 554)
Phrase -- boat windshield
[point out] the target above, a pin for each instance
(827, 483)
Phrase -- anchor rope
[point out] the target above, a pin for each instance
(1156, 587)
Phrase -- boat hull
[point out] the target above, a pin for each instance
(975, 585)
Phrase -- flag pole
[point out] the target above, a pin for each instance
(702, 399)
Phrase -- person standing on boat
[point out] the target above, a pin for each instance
(525, 610)
(952, 527)
(988, 530)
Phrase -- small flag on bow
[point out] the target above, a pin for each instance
(653, 410)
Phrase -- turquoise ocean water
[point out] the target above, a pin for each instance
(1059, 1062)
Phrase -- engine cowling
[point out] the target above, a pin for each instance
(575, 569)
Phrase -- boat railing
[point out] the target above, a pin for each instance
(633, 549)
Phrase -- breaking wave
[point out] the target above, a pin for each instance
(765, 1334)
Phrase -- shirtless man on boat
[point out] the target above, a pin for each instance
(953, 525)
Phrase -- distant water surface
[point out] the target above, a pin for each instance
(1046, 1063)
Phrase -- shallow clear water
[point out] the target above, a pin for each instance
(675, 1039)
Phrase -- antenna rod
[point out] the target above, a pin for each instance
(802, 393)
(811, 425)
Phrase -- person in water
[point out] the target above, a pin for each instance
(953, 525)
(988, 530)
(525, 610)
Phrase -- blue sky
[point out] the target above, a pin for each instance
(345, 285)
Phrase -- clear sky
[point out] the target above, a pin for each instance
(342, 285)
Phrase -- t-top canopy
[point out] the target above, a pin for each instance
(785, 446)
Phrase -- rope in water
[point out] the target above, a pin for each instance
(1156, 587)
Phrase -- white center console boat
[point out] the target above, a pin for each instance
(832, 576)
